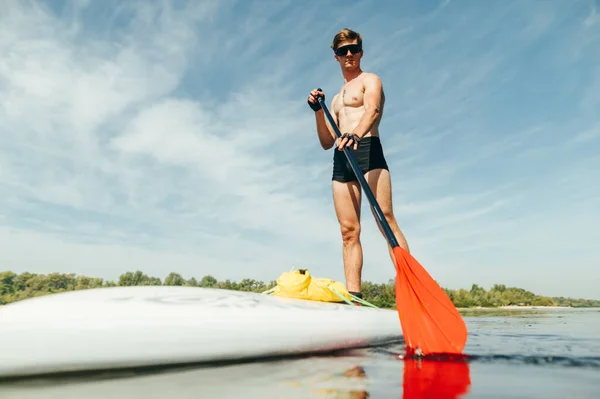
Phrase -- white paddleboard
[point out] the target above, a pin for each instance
(108, 328)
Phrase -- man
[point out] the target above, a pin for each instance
(357, 110)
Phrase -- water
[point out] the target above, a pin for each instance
(553, 353)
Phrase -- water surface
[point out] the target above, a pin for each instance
(547, 353)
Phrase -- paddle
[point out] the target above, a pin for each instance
(430, 322)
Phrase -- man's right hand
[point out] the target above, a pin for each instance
(312, 99)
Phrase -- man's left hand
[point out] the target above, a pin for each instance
(347, 140)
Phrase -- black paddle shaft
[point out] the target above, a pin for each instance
(389, 235)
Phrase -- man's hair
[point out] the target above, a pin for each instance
(346, 34)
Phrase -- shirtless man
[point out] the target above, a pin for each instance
(357, 110)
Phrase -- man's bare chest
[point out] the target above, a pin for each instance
(351, 96)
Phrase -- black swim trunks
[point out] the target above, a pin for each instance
(369, 156)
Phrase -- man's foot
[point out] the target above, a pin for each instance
(358, 295)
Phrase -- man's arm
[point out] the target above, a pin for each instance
(372, 100)
(324, 130)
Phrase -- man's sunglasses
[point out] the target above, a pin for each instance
(342, 51)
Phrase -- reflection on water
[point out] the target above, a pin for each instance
(421, 379)
(435, 379)
(356, 378)
(417, 378)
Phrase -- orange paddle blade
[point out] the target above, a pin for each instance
(430, 321)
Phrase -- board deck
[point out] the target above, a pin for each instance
(119, 327)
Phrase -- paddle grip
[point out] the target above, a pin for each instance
(389, 235)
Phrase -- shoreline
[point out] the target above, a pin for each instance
(517, 307)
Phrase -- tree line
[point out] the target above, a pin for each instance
(15, 287)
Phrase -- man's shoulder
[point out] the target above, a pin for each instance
(371, 77)
(334, 98)
(334, 103)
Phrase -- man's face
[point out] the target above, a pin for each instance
(348, 54)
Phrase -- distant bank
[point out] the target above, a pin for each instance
(16, 287)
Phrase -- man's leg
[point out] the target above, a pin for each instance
(346, 199)
(380, 183)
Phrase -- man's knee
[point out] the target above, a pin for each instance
(350, 232)
(389, 215)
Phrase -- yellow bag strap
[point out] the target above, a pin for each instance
(355, 298)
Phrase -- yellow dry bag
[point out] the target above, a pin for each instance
(301, 285)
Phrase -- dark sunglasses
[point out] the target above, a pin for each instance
(342, 51)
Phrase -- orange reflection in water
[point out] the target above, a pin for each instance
(431, 378)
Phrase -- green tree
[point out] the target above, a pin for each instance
(191, 282)
(380, 295)
(7, 283)
(174, 279)
(251, 285)
(208, 282)
(499, 288)
(83, 282)
(137, 278)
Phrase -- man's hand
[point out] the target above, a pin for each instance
(347, 140)
(312, 99)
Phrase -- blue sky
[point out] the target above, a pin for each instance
(175, 136)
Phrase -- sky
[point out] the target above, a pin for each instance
(173, 136)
